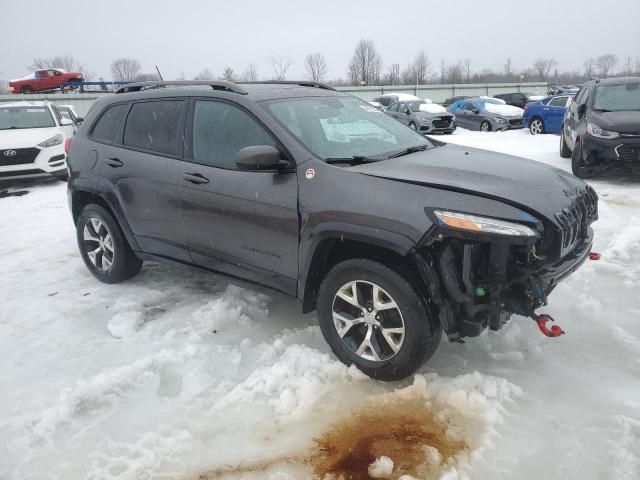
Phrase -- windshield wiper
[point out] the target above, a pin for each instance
(352, 160)
(407, 151)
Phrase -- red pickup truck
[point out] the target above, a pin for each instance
(40, 80)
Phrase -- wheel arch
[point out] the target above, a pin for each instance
(81, 198)
(332, 247)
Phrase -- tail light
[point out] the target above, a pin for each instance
(67, 145)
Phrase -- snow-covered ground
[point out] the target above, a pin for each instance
(179, 374)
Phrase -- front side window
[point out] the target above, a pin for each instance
(106, 127)
(394, 107)
(220, 130)
(154, 126)
(615, 98)
(558, 102)
(15, 118)
(342, 127)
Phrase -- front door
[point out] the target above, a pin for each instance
(243, 223)
(554, 113)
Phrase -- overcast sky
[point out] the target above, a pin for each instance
(183, 37)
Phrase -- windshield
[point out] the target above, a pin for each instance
(415, 106)
(343, 127)
(616, 98)
(25, 117)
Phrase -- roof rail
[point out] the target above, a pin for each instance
(302, 83)
(214, 84)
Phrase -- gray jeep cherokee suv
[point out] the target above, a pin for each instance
(391, 236)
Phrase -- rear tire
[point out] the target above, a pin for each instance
(536, 126)
(565, 152)
(397, 330)
(103, 247)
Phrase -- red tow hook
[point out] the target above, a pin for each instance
(595, 256)
(541, 320)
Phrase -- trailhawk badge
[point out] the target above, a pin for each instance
(310, 173)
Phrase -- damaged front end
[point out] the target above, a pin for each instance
(481, 270)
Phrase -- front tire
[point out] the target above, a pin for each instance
(26, 90)
(565, 151)
(413, 126)
(103, 247)
(485, 126)
(372, 317)
(578, 164)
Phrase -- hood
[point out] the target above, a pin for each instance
(443, 113)
(503, 110)
(25, 137)
(622, 122)
(531, 186)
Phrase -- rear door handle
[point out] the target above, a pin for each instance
(195, 178)
(113, 162)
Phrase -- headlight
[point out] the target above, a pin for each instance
(596, 131)
(51, 142)
(473, 223)
(500, 120)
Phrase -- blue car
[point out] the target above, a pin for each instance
(545, 116)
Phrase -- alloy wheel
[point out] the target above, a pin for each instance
(98, 244)
(485, 127)
(368, 320)
(536, 127)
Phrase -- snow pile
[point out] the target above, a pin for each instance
(506, 110)
(125, 324)
(432, 108)
(381, 468)
(536, 98)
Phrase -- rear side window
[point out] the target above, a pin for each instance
(155, 126)
(558, 102)
(106, 127)
(220, 130)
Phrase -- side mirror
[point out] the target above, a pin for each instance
(65, 121)
(408, 112)
(582, 109)
(259, 157)
(79, 120)
(475, 110)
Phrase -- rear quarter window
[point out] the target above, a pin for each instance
(106, 127)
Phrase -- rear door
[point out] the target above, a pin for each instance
(243, 223)
(141, 169)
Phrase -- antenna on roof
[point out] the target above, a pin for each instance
(159, 74)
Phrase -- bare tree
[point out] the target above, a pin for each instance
(508, 67)
(637, 72)
(606, 63)
(228, 74)
(87, 75)
(589, 65)
(316, 67)
(280, 65)
(467, 69)
(420, 68)
(250, 74)
(65, 62)
(455, 72)
(365, 64)
(443, 70)
(393, 76)
(125, 69)
(542, 67)
(205, 74)
(146, 77)
(628, 67)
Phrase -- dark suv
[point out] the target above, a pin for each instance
(601, 128)
(391, 236)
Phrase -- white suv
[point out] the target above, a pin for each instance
(34, 138)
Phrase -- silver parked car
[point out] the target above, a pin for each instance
(426, 117)
(486, 114)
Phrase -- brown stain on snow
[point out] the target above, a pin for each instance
(399, 428)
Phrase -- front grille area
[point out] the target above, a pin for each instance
(628, 153)
(442, 122)
(22, 173)
(576, 218)
(515, 121)
(18, 156)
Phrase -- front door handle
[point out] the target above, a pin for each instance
(113, 162)
(195, 178)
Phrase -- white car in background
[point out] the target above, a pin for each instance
(34, 139)
(392, 97)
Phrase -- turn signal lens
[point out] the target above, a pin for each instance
(474, 223)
